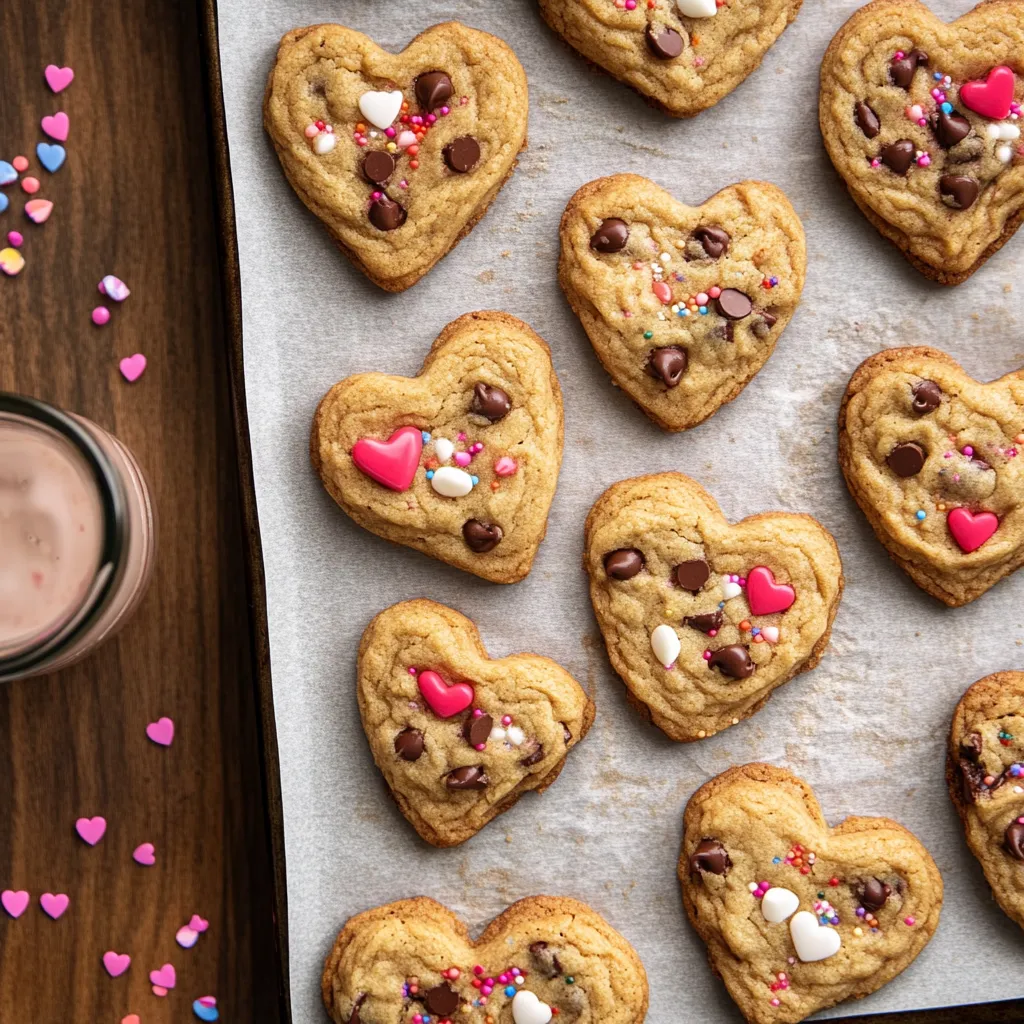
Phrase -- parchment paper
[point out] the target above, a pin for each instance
(866, 728)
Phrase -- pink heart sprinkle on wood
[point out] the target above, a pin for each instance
(14, 902)
(145, 854)
(159, 990)
(56, 126)
(161, 731)
(133, 367)
(116, 963)
(165, 977)
(198, 924)
(58, 79)
(54, 905)
(91, 830)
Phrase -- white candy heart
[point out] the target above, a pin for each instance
(771, 634)
(731, 590)
(451, 482)
(778, 905)
(812, 940)
(665, 644)
(528, 1009)
(443, 449)
(1003, 131)
(516, 735)
(380, 108)
(1005, 153)
(697, 8)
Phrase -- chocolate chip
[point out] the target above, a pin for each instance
(729, 331)
(867, 119)
(970, 748)
(471, 777)
(611, 236)
(715, 240)
(906, 459)
(960, 189)
(476, 730)
(432, 89)
(623, 564)
(462, 154)
(902, 71)
(354, 1015)
(733, 304)
(1014, 840)
(378, 166)
(668, 364)
(710, 856)
(898, 156)
(949, 128)
(733, 661)
(873, 893)
(706, 621)
(490, 402)
(692, 575)
(546, 959)
(442, 1000)
(927, 396)
(764, 323)
(409, 744)
(481, 537)
(664, 42)
(532, 759)
(386, 214)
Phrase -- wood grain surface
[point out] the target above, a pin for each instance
(136, 199)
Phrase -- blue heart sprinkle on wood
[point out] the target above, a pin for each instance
(7, 173)
(51, 156)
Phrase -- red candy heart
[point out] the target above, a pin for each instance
(971, 530)
(444, 700)
(991, 98)
(764, 595)
(392, 462)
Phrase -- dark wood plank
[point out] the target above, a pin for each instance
(136, 199)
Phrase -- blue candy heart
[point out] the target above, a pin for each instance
(208, 1013)
(7, 173)
(52, 157)
(4, 202)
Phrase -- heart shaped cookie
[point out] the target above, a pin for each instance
(985, 773)
(460, 462)
(544, 956)
(922, 120)
(682, 304)
(459, 737)
(398, 154)
(868, 893)
(703, 619)
(932, 458)
(681, 55)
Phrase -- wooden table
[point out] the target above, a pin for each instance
(136, 198)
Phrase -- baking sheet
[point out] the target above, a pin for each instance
(866, 728)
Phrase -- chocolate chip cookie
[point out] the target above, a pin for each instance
(798, 916)
(545, 956)
(398, 154)
(459, 462)
(932, 457)
(985, 772)
(922, 120)
(703, 618)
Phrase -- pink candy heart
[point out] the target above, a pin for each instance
(145, 854)
(392, 462)
(132, 367)
(91, 830)
(56, 126)
(971, 530)
(764, 595)
(38, 210)
(991, 98)
(162, 730)
(54, 905)
(58, 79)
(198, 924)
(116, 963)
(165, 977)
(14, 902)
(444, 700)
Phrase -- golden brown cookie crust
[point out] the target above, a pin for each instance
(672, 519)
(876, 414)
(320, 73)
(991, 707)
(378, 950)
(550, 708)
(489, 347)
(758, 812)
(729, 46)
(617, 305)
(945, 244)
